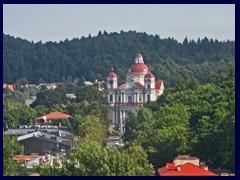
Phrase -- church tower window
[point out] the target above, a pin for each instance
(111, 83)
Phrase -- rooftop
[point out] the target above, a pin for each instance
(55, 115)
(186, 169)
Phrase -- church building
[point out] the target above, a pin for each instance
(140, 87)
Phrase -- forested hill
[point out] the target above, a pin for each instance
(90, 58)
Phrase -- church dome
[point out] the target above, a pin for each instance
(149, 75)
(112, 75)
(139, 68)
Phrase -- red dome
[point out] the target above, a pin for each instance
(149, 75)
(112, 75)
(139, 55)
(139, 68)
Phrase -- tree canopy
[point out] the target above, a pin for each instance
(199, 121)
(92, 159)
(91, 58)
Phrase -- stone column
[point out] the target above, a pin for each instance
(121, 124)
(113, 98)
(113, 117)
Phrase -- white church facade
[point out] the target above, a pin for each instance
(140, 86)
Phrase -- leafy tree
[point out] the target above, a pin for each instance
(90, 128)
(198, 121)
(92, 159)
(51, 97)
(41, 110)
(16, 114)
(11, 167)
(89, 93)
(16, 96)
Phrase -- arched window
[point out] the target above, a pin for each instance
(129, 99)
(148, 86)
(111, 98)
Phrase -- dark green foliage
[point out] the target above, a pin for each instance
(16, 114)
(199, 121)
(16, 96)
(89, 93)
(51, 97)
(90, 58)
(10, 167)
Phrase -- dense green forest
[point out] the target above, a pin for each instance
(90, 58)
(199, 121)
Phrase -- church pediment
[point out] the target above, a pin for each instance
(131, 85)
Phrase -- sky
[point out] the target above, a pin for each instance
(56, 22)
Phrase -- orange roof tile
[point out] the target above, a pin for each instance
(55, 115)
(187, 169)
(9, 86)
(22, 157)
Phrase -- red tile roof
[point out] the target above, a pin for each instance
(55, 115)
(23, 157)
(119, 83)
(139, 85)
(187, 169)
(158, 84)
(149, 75)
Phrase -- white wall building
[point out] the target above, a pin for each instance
(140, 87)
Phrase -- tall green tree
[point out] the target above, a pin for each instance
(11, 167)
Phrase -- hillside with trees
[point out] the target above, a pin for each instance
(198, 121)
(90, 58)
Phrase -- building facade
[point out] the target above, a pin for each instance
(140, 87)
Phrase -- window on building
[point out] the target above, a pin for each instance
(140, 98)
(148, 86)
(148, 97)
(129, 99)
(111, 83)
(111, 98)
(119, 98)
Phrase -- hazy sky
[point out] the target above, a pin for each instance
(59, 22)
